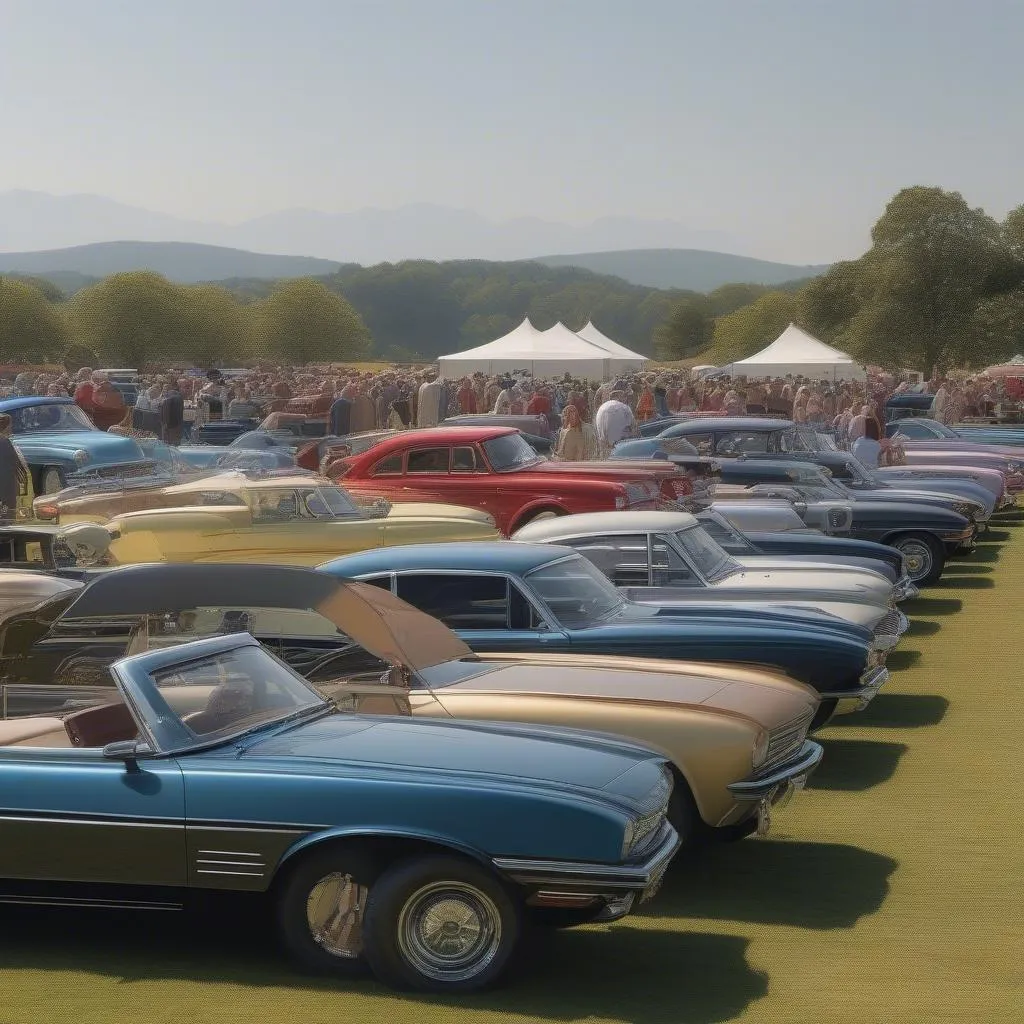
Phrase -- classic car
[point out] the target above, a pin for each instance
(56, 439)
(279, 518)
(237, 455)
(992, 480)
(1009, 440)
(414, 848)
(736, 735)
(517, 597)
(965, 496)
(770, 532)
(923, 532)
(667, 559)
(957, 451)
(494, 468)
(51, 548)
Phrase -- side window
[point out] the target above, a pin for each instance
(384, 582)
(622, 559)
(275, 506)
(460, 602)
(391, 466)
(521, 613)
(464, 460)
(428, 460)
(668, 568)
(704, 443)
(716, 531)
(735, 442)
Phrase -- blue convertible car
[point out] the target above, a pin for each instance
(502, 597)
(57, 439)
(415, 847)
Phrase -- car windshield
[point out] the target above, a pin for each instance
(796, 440)
(49, 416)
(509, 451)
(710, 559)
(575, 591)
(287, 504)
(234, 692)
(720, 529)
(327, 502)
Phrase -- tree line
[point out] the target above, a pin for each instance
(942, 286)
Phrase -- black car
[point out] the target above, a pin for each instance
(925, 534)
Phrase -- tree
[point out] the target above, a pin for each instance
(130, 319)
(999, 322)
(828, 304)
(742, 333)
(302, 321)
(687, 330)
(31, 328)
(932, 260)
(216, 328)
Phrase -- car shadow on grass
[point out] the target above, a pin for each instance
(775, 882)
(932, 606)
(965, 583)
(922, 627)
(900, 660)
(854, 765)
(983, 554)
(673, 977)
(997, 536)
(966, 568)
(898, 711)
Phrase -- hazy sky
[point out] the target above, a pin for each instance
(786, 123)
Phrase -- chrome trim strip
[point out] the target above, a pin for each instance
(807, 760)
(233, 874)
(85, 903)
(593, 878)
(124, 823)
(230, 853)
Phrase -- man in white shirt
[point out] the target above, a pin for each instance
(613, 422)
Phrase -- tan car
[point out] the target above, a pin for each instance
(736, 735)
(280, 519)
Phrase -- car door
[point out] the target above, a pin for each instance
(427, 476)
(487, 610)
(70, 815)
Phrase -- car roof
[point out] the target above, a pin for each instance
(24, 401)
(603, 523)
(236, 480)
(729, 423)
(497, 556)
(437, 436)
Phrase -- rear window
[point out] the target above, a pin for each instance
(391, 466)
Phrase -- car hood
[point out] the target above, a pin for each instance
(751, 692)
(436, 510)
(817, 565)
(431, 747)
(103, 448)
(620, 468)
(843, 584)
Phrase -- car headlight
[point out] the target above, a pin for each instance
(81, 457)
(760, 748)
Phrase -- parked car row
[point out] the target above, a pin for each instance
(450, 694)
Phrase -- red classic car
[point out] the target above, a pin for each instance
(495, 469)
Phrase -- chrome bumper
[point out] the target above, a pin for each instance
(904, 589)
(795, 772)
(870, 683)
(889, 630)
(642, 877)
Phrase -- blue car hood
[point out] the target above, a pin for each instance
(104, 449)
(341, 743)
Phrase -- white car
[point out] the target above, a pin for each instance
(667, 558)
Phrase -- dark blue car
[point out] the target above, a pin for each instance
(507, 597)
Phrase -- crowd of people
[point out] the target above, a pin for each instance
(586, 418)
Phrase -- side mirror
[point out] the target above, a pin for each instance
(127, 751)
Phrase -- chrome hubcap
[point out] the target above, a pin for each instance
(449, 931)
(334, 912)
(919, 559)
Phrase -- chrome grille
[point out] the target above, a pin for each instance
(118, 471)
(785, 741)
(889, 628)
(836, 518)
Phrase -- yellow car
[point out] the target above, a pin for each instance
(234, 517)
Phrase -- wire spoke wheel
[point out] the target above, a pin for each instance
(334, 913)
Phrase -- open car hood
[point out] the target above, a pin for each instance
(375, 619)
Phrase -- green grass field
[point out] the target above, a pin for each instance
(890, 891)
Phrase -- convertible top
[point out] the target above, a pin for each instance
(375, 619)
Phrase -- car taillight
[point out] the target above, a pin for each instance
(47, 512)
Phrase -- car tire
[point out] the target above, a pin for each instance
(440, 924)
(325, 888)
(684, 816)
(824, 713)
(925, 556)
(51, 480)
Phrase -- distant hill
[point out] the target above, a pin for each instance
(184, 262)
(693, 269)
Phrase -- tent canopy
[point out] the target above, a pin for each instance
(547, 353)
(622, 357)
(795, 352)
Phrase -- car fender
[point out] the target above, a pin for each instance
(537, 505)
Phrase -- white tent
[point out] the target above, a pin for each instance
(622, 357)
(543, 353)
(796, 352)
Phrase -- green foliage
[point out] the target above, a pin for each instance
(827, 304)
(31, 328)
(78, 356)
(130, 319)
(687, 330)
(742, 333)
(216, 329)
(302, 321)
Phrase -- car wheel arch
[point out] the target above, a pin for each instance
(387, 846)
(530, 512)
